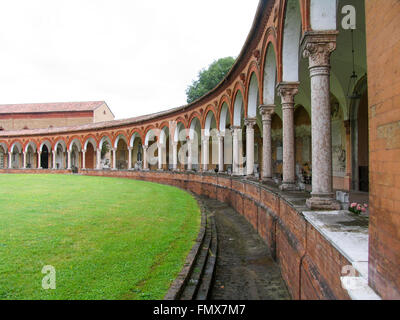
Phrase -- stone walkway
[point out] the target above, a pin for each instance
(245, 269)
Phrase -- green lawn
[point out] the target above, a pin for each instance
(107, 238)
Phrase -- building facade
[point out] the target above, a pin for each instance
(297, 113)
(45, 115)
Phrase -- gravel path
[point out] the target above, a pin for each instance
(245, 269)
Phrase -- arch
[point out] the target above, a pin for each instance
(292, 29)
(164, 133)
(118, 138)
(224, 115)
(238, 109)
(75, 142)
(104, 138)
(253, 96)
(30, 144)
(195, 125)
(62, 144)
(45, 143)
(133, 137)
(177, 133)
(151, 135)
(4, 146)
(208, 122)
(269, 75)
(16, 146)
(90, 140)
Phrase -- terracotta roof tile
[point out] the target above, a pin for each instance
(50, 107)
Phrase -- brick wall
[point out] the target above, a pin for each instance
(383, 56)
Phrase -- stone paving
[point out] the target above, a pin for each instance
(245, 269)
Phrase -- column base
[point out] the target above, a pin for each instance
(267, 180)
(288, 186)
(323, 203)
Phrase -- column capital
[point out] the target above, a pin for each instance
(145, 148)
(205, 139)
(175, 143)
(317, 46)
(250, 122)
(233, 128)
(266, 111)
(130, 148)
(287, 91)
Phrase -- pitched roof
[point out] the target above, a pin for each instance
(50, 107)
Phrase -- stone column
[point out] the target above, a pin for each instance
(145, 163)
(130, 158)
(266, 112)
(206, 154)
(348, 178)
(9, 160)
(114, 156)
(69, 160)
(24, 162)
(287, 91)
(175, 155)
(38, 160)
(98, 159)
(250, 123)
(220, 152)
(160, 156)
(83, 159)
(190, 155)
(54, 160)
(235, 142)
(317, 47)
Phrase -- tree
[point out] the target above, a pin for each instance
(209, 78)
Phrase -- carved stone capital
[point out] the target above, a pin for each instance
(267, 111)
(318, 46)
(250, 123)
(287, 91)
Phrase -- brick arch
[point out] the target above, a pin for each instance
(239, 87)
(74, 137)
(32, 142)
(228, 101)
(87, 137)
(252, 70)
(6, 144)
(183, 121)
(206, 111)
(120, 133)
(193, 115)
(14, 141)
(138, 132)
(270, 39)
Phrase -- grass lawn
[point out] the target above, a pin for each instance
(107, 238)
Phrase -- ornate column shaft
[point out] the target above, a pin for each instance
(317, 47)
(250, 123)
(287, 91)
(160, 155)
(145, 163)
(114, 160)
(190, 154)
(54, 160)
(98, 159)
(235, 147)
(220, 153)
(206, 154)
(24, 162)
(83, 159)
(69, 160)
(175, 155)
(130, 158)
(266, 112)
(38, 160)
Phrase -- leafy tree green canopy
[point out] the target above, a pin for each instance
(209, 78)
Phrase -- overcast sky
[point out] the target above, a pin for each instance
(138, 56)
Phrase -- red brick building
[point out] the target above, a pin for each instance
(45, 115)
